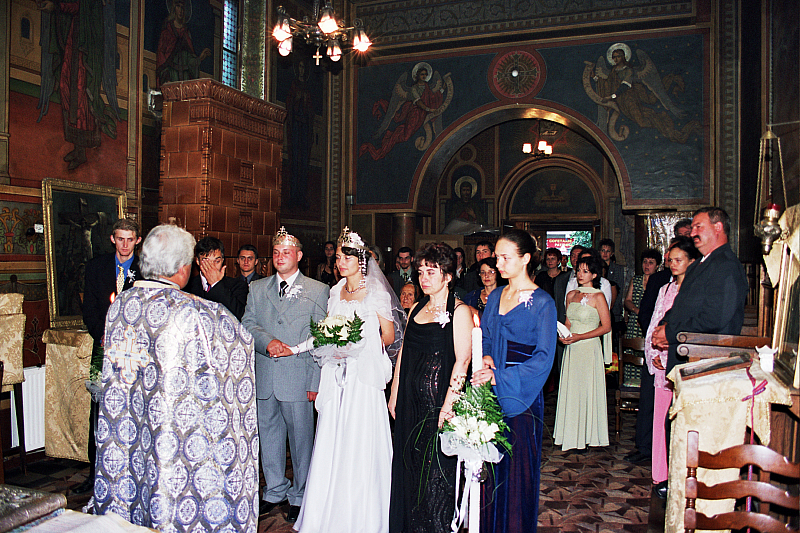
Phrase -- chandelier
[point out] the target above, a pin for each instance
(541, 151)
(325, 30)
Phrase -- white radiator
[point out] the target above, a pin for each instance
(32, 410)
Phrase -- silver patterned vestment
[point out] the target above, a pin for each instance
(177, 436)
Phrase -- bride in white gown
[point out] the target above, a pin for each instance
(349, 479)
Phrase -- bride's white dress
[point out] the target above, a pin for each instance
(348, 483)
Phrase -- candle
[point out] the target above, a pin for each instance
(477, 345)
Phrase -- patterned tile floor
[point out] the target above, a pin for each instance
(593, 492)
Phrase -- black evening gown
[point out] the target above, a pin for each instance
(423, 478)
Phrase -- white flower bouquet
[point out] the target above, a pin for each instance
(477, 424)
(336, 338)
(474, 434)
(336, 330)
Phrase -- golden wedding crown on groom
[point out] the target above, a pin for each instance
(351, 239)
(282, 238)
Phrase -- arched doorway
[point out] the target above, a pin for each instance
(426, 185)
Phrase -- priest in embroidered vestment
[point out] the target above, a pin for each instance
(177, 438)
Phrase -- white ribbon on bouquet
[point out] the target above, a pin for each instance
(472, 458)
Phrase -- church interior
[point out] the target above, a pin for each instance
(616, 118)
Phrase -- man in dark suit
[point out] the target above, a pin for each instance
(248, 262)
(483, 250)
(105, 277)
(711, 299)
(212, 283)
(398, 278)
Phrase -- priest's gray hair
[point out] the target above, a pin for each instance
(165, 250)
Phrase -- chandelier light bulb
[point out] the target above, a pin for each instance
(285, 47)
(282, 31)
(548, 150)
(334, 50)
(527, 148)
(327, 21)
(361, 42)
(542, 146)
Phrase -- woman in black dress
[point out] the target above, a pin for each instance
(430, 371)
(326, 271)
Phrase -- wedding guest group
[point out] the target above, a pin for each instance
(167, 355)
(223, 396)
(712, 295)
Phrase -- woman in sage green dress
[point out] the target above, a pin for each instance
(581, 412)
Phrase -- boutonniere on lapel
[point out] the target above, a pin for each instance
(131, 276)
(294, 292)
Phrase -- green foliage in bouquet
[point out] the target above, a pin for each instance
(96, 364)
(477, 418)
(336, 330)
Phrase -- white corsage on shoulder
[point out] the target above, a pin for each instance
(442, 318)
(524, 297)
(294, 292)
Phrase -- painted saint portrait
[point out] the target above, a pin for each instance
(176, 59)
(411, 108)
(466, 204)
(79, 57)
(634, 91)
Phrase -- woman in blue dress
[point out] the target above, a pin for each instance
(519, 343)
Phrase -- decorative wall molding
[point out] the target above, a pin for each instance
(729, 95)
(219, 92)
(408, 23)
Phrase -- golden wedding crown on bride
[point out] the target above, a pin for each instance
(351, 239)
(282, 238)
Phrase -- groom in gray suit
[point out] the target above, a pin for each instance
(279, 309)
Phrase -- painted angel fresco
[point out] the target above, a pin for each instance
(635, 92)
(79, 56)
(411, 108)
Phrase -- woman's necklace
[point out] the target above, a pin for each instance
(439, 312)
(435, 309)
(513, 292)
(348, 291)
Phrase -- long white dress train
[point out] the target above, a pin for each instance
(348, 482)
